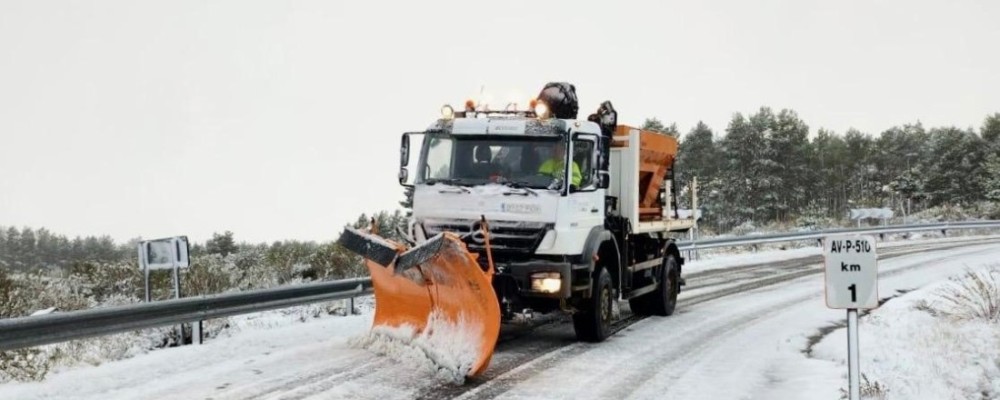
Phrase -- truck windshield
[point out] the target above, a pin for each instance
(518, 161)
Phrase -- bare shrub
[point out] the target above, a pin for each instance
(209, 274)
(870, 389)
(975, 295)
(109, 279)
(23, 364)
(59, 293)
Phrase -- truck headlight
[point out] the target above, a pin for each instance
(546, 282)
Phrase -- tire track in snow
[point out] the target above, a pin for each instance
(292, 381)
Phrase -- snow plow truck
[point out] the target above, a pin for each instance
(503, 227)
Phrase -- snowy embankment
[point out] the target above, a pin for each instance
(938, 342)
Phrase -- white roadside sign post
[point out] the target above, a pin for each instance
(852, 284)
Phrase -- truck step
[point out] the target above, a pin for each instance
(645, 265)
(643, 290)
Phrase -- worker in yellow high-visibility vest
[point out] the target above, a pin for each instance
(556, 166)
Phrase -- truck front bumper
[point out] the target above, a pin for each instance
(536, 279)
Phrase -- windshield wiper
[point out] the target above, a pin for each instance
(456, 182)
(520, 185)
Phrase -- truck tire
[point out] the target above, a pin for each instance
(664, 300)
(593, 322)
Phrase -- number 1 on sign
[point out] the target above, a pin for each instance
(854, 293)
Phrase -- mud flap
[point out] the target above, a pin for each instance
(439, 281)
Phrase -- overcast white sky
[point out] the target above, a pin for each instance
(280, 120)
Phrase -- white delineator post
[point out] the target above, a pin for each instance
(851, 283)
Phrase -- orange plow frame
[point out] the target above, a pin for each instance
(439, 278)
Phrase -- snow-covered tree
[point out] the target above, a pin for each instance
(991, 129)
(654, 124)
(955, 166)
(991, 177)
(222, 244)
(788, 143)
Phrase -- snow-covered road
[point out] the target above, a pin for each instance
(746, 346)
(739, 333)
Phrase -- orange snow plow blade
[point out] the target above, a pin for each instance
(437, 287)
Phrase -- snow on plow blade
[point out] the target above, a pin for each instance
(436, 288)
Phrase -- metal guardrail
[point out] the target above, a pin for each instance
(53, 328)
(24, 332)
(815, 235)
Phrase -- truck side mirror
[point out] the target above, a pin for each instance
(404, 150)
(404, 176)
(405, 153)
(603, 180)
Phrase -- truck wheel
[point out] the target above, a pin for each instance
(593, 323)
(665, 300)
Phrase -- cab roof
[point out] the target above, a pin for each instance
(513, 126)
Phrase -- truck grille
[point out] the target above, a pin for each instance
(506, 237)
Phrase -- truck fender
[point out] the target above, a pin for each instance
(671, 249)
(602, 243)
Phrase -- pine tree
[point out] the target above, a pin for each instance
(991, 130)
(28, 257)
(222, 244)
(789, 147)
(830, 184)
(991, 177)
(745, 184)
(954, 169)
(897, 151)
(654, 124)
(407, 202)
(860, 170)
(698, 155)
(4, 262)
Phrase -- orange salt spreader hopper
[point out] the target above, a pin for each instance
(436, 282)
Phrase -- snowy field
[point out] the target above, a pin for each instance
(912, 351)
(742, 346)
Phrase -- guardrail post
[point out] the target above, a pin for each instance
(196, 336)
(352, 306)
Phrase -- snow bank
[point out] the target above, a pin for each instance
(915, 353)
(737, 256)
(717, 261)
(445, 349)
